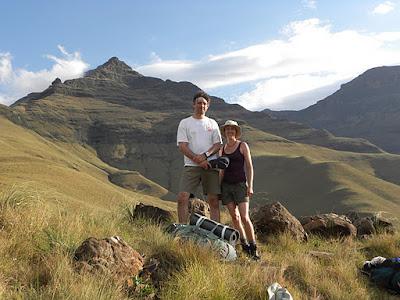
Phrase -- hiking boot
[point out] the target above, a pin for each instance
(246, 248)
(253, 253)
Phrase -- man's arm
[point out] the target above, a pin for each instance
(184, 148)
(214, 149)
(199, 159)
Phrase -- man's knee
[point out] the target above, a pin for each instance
(183, 198)
(213, 201)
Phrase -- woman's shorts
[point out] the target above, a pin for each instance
(234, 192)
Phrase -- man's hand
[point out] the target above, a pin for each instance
(204, 164)
(198, 158)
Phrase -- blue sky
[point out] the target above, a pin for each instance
(260, 54)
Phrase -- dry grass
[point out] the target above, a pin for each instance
(37, 242)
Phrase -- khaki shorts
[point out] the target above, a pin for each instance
(192, 176)
(234, 192)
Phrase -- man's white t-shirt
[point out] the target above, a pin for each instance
(200, 134)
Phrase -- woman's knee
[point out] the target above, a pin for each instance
(235, 218)
(245, 219)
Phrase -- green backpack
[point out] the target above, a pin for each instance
(204, 238)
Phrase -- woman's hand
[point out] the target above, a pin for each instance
(250, 191)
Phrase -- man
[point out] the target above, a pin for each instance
(199, 139)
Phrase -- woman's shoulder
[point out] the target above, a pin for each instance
(243, 144)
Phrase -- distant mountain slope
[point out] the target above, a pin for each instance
(367, 107)
(116, 83)
(70, 174)
(130, 121)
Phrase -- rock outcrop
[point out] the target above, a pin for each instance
(328, 225)
(111, 255)
(371, 224)
(199, 206)
(152, 213)
(274, 219)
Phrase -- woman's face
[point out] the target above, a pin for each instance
(230, 132)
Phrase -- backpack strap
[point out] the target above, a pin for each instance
(223, 232)
(199, 221)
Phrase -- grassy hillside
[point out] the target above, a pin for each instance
(304, 176)
(71, 173)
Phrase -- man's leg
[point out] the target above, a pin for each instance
(190, 179)
(214, 206)
(183, 210)
(211, 187)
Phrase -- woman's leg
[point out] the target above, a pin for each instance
(245, 218)
(233, 211)
(249, 229)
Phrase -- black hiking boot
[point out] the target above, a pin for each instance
(246, 248)
(253, 253)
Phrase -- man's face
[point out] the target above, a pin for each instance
(200, 106)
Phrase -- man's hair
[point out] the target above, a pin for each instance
(203, 95)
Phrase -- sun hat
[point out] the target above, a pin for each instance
(234, 124)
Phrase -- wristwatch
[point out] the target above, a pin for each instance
(207, 154)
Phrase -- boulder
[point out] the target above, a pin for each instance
(199, 206)
(371, 224)
(111, 255)
(274, 218)
(153, 213)
(364, 226)
(382, 224)
(329, 225)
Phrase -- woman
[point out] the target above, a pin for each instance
(237, 185)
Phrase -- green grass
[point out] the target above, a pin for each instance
(72, 173)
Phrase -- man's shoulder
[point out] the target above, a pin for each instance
(213, 122)
(185, 120)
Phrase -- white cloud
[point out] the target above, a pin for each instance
(16, 83)
(309, 4)
(5, 66)
(384, 8)
(309, 55)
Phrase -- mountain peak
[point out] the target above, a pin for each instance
(378, 79)
(114, 69)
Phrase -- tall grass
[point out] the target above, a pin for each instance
(37, 242)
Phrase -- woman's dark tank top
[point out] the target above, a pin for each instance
(234, 173)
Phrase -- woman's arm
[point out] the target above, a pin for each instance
(221, 172)
(249, 167)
